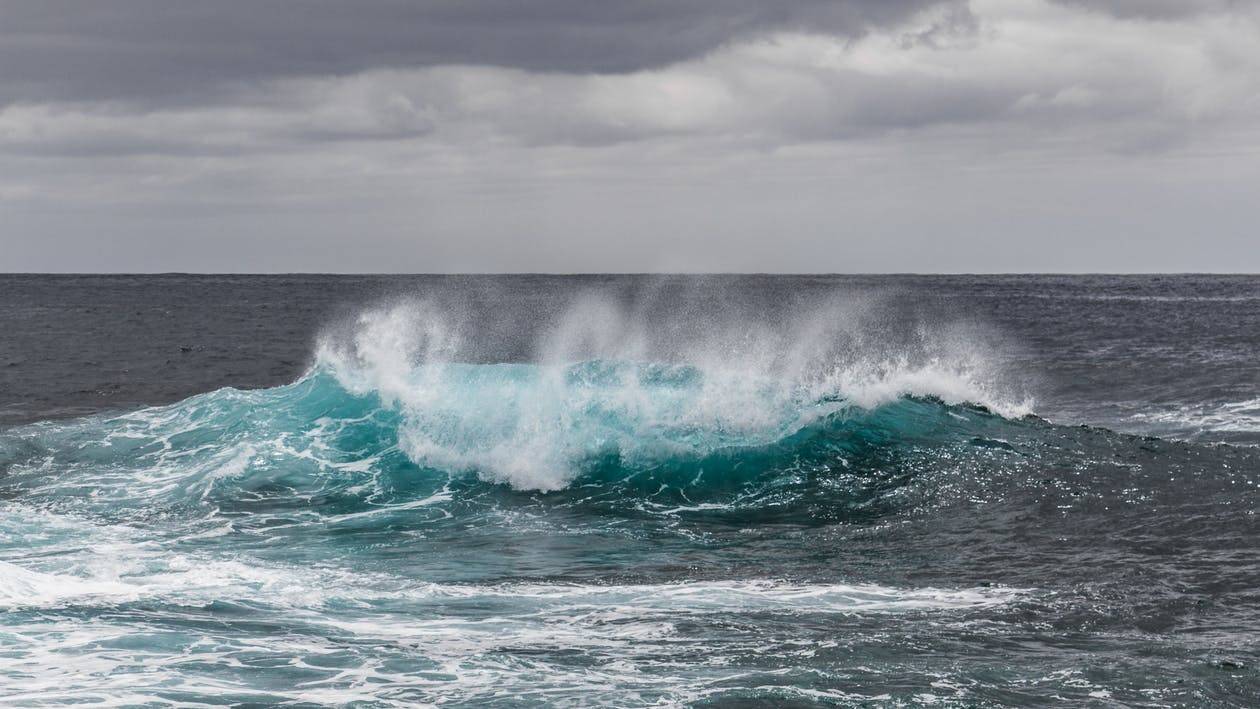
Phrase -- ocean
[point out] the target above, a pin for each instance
(629, 491)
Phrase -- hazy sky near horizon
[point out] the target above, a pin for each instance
(657, 135)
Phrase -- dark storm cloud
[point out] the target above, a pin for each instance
(54, 50)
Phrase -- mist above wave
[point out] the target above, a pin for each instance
(643, 382)
(676, 403)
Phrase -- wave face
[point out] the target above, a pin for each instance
(388, 405)
(649, 436)
(602, 393)
(687, 509)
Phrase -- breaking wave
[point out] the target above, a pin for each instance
(396, 401)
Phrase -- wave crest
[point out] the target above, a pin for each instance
(402, 413)
(600, 386)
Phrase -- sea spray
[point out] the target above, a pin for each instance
(603, 384)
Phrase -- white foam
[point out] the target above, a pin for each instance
(124, 574)
(591, 390)
(438, 642)
(21, 588)
(702, 597)
(1229, 417)
(426, 641)
(870, 385)
(122, 564)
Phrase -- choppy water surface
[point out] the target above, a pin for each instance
(539, 491)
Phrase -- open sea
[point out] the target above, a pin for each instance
(624, 491)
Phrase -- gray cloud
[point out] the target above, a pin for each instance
(584, 135)
(142, 49)
(1060, 76)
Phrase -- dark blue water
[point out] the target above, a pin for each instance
(539, 491)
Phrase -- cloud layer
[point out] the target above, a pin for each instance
(143, 108)
(145, 49)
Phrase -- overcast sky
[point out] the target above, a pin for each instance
(653, 135)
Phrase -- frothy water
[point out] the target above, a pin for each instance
(604, 385)
(1237, 417)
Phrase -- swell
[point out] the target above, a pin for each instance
(822, 416)
(647, 431)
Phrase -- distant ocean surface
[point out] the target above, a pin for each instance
(629, 491)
